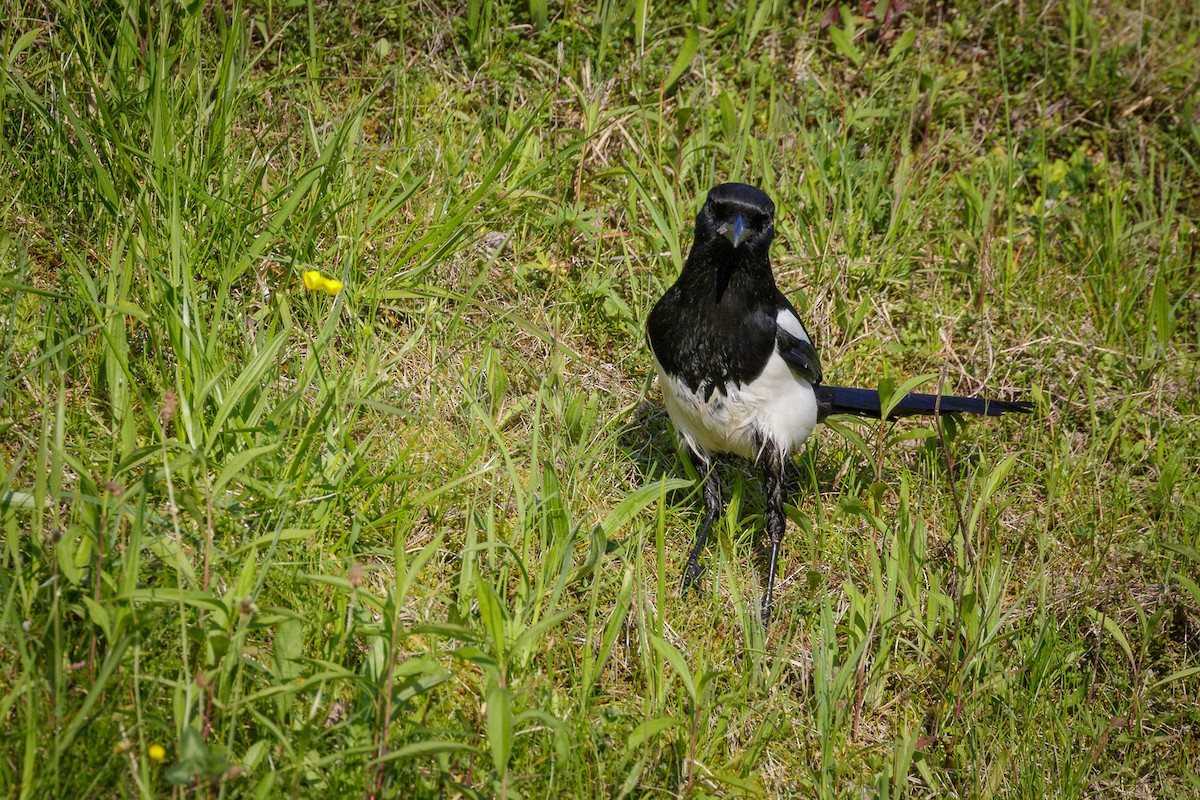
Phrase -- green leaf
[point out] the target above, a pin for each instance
(641, 13)
(95, 691)
(691, 43)
(22, 43)
(612, 630)
(677, 662)
(429, 747)
(99, 616)
(479, 658)
(844, 425)
(1184, 550)
(427, 552)
(253, 376)
(666, 227)
(649, 730)
(447, 630)
(235, 465)
(890, 398)
(536, 633)
(750, 786)
(970, 193)
(285, 535)
(491, 612)
(421, 684)
(1176, 676)
(562, 741)
(707, 678)
(499, 726)
(289, 648)
(197, 759)
(901, 45)
(23, 501)
(994, 480)
(1191, 586)
(635, 774)
(1162, 311)
(169, 595)
(1114, 630)
(298, 686)
(539, 13)
(633, 503)
(843, 43)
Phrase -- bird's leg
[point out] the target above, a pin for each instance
(776, 522)
(712, 509)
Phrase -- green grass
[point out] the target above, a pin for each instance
(423, 538)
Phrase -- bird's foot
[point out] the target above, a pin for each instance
(691, 575)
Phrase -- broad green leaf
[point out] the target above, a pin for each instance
(677, 662)
(1192, 588)
(499, 726)
(285, 535)
(536, 633)
(491, 612)
(691, 43)
(95, 690)
(288, 649)
(99, 616)
(901, 45)
(889, 400)
(993, 481)
(253, 376)
(428, 747)
(1184, 550)
(424, 683)
(648, 730)
(562, 740)
(843, 43)
(19, 46)
(633, 503)
(1176, 676)
(1114, 630)
(235, 465)
(616, 622)
(298, 686)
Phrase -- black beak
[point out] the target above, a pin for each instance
(735, 232)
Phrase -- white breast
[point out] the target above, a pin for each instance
(777, 405)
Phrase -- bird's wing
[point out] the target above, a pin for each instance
(795, 345)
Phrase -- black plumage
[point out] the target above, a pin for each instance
(717, 323)
(865, 403)
(739, 372)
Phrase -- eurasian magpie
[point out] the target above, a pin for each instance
(739, 372)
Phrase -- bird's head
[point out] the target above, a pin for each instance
(740, 214)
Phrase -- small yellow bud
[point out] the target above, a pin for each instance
(332, 286)
(157, 752)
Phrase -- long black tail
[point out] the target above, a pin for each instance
(865, 403)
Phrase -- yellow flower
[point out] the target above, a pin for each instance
(316, 282)
(157, 752)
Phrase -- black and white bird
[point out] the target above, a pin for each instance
(739, 372)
